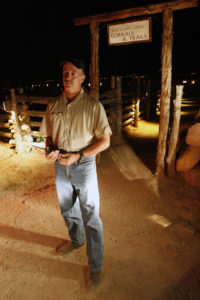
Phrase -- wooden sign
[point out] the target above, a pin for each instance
(138, 31)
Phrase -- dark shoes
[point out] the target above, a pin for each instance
(95, 279)
(91, 279)
(75, 246)
(66, 248)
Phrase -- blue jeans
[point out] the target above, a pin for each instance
(78, 196)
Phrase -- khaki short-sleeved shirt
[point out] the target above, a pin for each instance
(74, 125)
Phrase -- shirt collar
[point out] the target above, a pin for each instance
(78, 97)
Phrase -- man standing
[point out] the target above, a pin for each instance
(77, 129)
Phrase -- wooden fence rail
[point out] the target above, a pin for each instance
(30, 111)
(121, 97)
(125, 101)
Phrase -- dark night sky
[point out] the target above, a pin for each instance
(36, 36)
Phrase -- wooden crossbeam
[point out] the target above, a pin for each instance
(34, 99)
(136, 11)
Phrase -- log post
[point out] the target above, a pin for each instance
(174, 132)
(167, 40)
(119, 107)
(137, 102)
(94, 60)
(113, 83)
(16, 125)
(148, 107)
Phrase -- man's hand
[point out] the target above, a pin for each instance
(68, 159)
(52, 156)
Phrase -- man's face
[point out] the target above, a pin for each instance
(72, 78)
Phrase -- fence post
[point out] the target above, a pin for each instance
(137, 103)
(148, 108)
(113, 83)
(174, 132)
(119, 107)
(16, 125)
(167, 41)
(94, 60)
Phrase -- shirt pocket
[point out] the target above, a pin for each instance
(57, 117)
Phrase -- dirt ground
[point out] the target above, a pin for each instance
(151, 230)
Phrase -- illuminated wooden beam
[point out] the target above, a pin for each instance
(34, 99)
(6, 134)
(17, 129)
(32, 113)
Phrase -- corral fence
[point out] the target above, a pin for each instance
(120, 95)
(126, 99)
